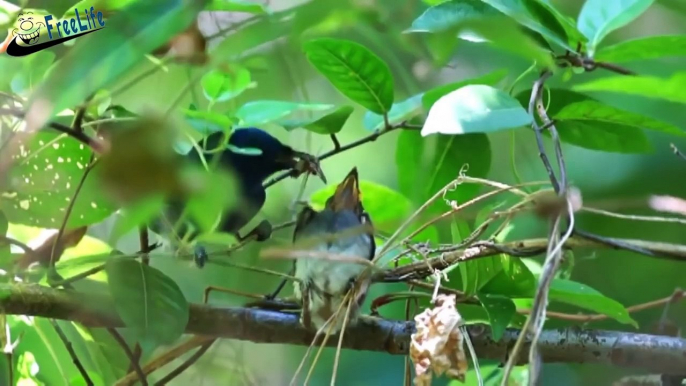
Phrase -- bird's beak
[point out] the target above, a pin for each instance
(303, 163)
(347, 195)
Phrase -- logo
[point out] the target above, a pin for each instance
(34, 33)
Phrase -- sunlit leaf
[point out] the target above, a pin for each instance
(583, 296)
(246, 6)
(671, 89)
(447, 15)
(149, 302)
(491, 79)
(649, 47)
(354, 70)
(221, 86)
(500, 311)
(207, 122)
(600, 17)
(475, 109)
(514, 280)
(258, 113)
(533, 15)
(328, 123)
(101, 57)
(400, 111)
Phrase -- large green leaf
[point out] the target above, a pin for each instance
(44, 179)
(354, 70)
(258, 113)
(671, 89)
(207, 122)
(327, 123)
(593, 110)
(449, 14)
(604, 136)
(401, 111)
(533, 15)
(600, 17)
(426, 165)
(148, 301)
(491, 79)
(32, 73)
(99, 58)
(221, 86)
(500, 312)
(475, 109)
(513, 280)
(649, 47)
(583, 296)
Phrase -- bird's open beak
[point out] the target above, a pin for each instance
(303, 163)
(347, 195)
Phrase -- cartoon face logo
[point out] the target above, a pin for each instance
(28, 28)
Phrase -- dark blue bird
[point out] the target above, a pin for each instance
(252, 155)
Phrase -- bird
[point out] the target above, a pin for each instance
(344, 229)
(252, 155)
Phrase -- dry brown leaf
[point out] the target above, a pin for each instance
(438, 345)
(44, 252)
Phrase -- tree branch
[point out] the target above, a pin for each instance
(657, 354)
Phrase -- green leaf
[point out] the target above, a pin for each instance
(583, 296)
(476, 273)
(207, 122)
(533, 15)
(401, 111)
(514, 280)
(428, 164)
(138, 213)
(354, 70)
(237, 6)
(491, 79)
(217, 194)
(450, 14)
(258, 113)
(149, 302)
(650, 47)
(604, 136)
(329, 123)
(99, 58)
(500, 312)
(505, 34)
(600, 17)
(31, 75)
(221, 86)
(475, 108)
(44, 180)
(671, 89)
(593, 110)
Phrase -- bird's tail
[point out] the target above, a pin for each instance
(347, 195)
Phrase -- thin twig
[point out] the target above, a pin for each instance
(72, 353)
(186, 364)
(129, 354)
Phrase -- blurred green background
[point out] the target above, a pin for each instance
(281, 72)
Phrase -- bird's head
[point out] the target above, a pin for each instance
(347, 195)
(255, 154)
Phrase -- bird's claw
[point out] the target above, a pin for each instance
(308, 164)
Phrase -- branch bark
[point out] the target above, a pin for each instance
(656, 354)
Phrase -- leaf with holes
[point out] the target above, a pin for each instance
(583, 296)
(475, 108)
(44, 179)
(600, 17)
(401, 111)
(148, 301)
(428, 164)
(354, 70)
(500, 312)
(649, 47)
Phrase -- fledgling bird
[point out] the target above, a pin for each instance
(343, 228)
(252, 155)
